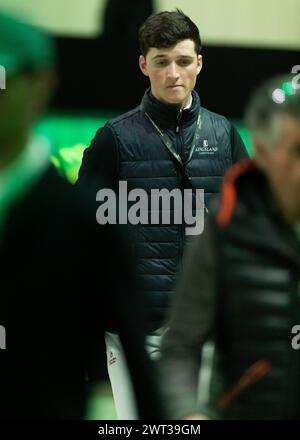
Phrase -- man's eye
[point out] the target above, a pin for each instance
(184, 62)
(161, 63)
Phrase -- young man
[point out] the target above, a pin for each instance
(240, 284)
(59, 291)
(168, 142)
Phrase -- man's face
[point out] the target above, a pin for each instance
(14, 104)
(20, 103)
(172, 71)
(282, 166)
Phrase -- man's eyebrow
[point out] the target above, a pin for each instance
(161, 55)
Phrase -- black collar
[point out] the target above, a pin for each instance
(166, 115)
(261, 201)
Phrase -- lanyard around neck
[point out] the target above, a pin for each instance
(170, 145)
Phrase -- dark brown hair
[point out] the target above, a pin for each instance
(166, 29)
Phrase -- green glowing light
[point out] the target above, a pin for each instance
(288, 88)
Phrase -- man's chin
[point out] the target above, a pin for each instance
(175, 101)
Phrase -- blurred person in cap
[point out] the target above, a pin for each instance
(242, 292)
(58, 289)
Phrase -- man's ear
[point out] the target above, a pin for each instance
(42, 87)
(143, 65)
(199, 63)
(261, 152)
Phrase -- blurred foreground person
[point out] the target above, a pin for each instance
(59, 284)
(240, 283)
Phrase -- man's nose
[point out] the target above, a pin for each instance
(173, 71)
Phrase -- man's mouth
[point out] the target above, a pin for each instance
(174, 86)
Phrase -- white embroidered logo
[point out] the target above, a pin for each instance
(206, 149)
